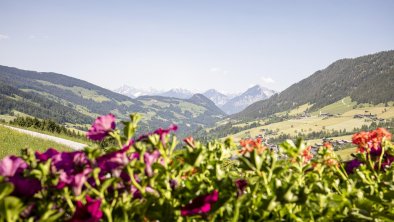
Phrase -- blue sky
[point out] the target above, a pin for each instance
(196, 44)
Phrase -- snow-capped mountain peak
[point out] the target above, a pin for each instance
(250, 96)
(134, 92)
(178, 93)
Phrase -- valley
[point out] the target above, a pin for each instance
(332, 103)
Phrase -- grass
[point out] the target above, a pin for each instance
(299, 110)
(12, 142)
(63, 136)
(7, 118)
(345, 154)
(339, 107)
(84, 93)
(196, 110)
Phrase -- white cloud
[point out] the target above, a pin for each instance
(214, 69)
(219, 71)
(4, 37)
(33, 36)
(267, 80)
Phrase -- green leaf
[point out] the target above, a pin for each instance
(5, 189)
(10, 208)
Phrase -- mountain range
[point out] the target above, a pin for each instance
(69, 100)
(366, 79)
(228, 103)
(253, 94)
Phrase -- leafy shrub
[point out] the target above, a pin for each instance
(147, 179)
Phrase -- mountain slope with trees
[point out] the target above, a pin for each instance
(366, 79)
(65, 99)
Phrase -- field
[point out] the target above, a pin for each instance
(63, 136)
(343, 119)
(12, 142)
(346, 153)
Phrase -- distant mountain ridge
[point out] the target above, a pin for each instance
(204, 101)
(217, 97)
(134, 92)
(253, 94)
(366, 79)
(177, 93)
(229, 103)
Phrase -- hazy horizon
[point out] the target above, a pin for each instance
(197, 45)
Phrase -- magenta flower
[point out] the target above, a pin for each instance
(161, 132)
(10, 165)
(13, 167)
(113, 162)
(387, 161)
(241, 185)
(90, 212)
(164, 132)
(74, 169)
(201, 204)
(134, 156)
(101, 127)
(351, 165)
(25, 187)
(135, 192)
(48, 154)
(149, 159)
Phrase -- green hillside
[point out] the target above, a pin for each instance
(324, 104)
(70, 100)
(338, 117)
(341, 121)
(366, 79)
(12, 143)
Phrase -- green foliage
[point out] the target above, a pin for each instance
(259, 185)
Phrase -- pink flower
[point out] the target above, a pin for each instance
(201, 204)
(10, 165)
(161, 132)
(164, 132)
(101, 127)
(189, 141)
(90, 212)
(74, 169)
(13, 167)
(149, 159)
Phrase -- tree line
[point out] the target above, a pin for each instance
(46, 125)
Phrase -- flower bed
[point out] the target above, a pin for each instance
(147, 179)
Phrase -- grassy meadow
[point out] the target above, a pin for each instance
(344, 111)
(12, 142)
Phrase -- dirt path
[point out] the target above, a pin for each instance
(69, 143)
